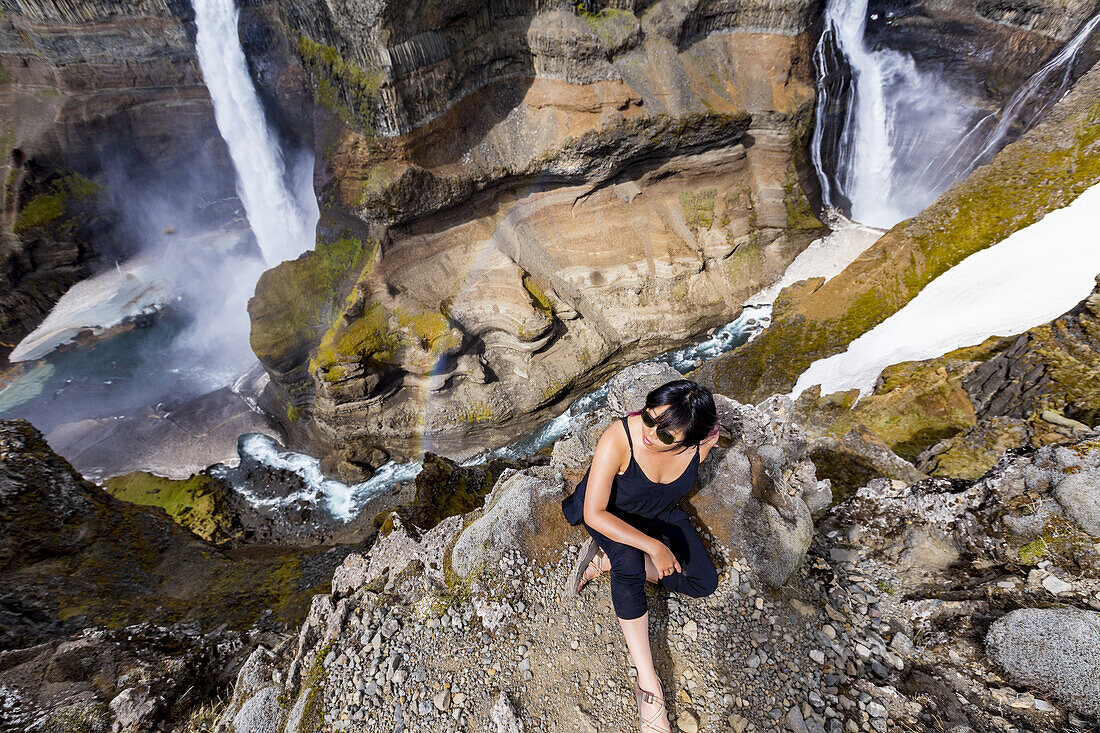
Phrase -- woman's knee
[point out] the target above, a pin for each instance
(700, 584)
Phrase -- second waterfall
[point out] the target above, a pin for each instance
(880, 121)
(281, 207)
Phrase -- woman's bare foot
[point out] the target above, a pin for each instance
(652, 712)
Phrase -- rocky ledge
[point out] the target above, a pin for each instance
(926, 605)
(111, 612)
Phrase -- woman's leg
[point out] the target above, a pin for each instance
(630, 569)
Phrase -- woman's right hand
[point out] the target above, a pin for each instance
(664, 560)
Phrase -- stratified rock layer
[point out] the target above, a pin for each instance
(521, 221)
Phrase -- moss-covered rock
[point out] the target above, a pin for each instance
(971, 453)
(296, 302)
(444, 489)
(72, 555)
(199, 503)
(1044, 170)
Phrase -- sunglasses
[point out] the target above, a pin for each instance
(662, 435)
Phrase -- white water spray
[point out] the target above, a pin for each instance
(896, 118)
(282, 219)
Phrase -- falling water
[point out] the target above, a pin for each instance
(282, 220)
(1030, 102)
(893, 119)
(900, 136)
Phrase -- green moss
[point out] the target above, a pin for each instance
(538, 297)
(313, 683)
(746, 263)
(379, 177)
(345, 88)
(1033, 552)
(800, 215)
(50, 209)
(296, 302)
(433, 330)
(698, 208)
(1060, 540)
(615, 27)
(39, 211)
(199, 503)
(474, 412)
(366, 339)
(293, 412)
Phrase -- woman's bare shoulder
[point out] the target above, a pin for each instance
(613, 442)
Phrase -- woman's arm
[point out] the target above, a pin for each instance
(610, 451)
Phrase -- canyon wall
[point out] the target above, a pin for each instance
(517, 197)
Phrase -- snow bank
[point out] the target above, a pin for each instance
(1030, 278)
(96, 304)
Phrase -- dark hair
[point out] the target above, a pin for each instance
(690, 410)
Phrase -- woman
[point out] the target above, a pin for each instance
(628, 501)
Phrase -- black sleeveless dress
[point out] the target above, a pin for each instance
(634, 495)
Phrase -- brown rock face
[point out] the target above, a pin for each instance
(551, 194)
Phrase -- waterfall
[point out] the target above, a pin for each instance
(889, 138)
(282, 219)
(880, 119)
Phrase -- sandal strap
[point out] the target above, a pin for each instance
(658, 722)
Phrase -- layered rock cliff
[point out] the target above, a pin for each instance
(517, 197)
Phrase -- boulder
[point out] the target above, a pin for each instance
(773, 544)
(1079, 495)
(1054, 650)
(627, 390)
(394, 551)
(261, 713)
(521, 512)
(572, 452)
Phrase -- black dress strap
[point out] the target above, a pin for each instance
(628, 440)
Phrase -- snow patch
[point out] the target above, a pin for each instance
(1031, 277)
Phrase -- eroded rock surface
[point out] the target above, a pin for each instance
(608, 185)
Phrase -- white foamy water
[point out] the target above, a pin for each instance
(1033, 276)
(282, 217)
(825, 257)
(342, 500)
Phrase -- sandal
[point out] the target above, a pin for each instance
(586, 561)
(653, 724)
